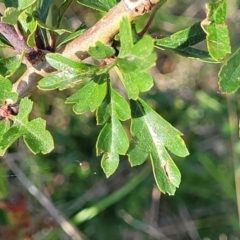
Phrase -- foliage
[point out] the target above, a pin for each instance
(130, 126)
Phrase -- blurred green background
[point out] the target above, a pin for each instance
(128, 206)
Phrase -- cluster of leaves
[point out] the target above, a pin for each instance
(151, 135)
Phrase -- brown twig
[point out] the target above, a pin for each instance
(149, 22)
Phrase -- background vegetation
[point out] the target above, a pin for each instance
(185, 94)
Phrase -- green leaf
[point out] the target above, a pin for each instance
(37, 138)
(71, 36)
(136, 82)
(101, 51)
(4, 127)
(4, 43)
(8, 66)
(34, 134)
(134, 60)
(113, 104)
(61, 63)
(59, 31)
(184, 38)
(19, 4)
(140, 57)
(218, 41)
(29, 26)
(71, 73)
(14, 9)
(152, 135)
(6, 91)
(90, 96)
(229, 74)
(62, 10)
(11, 15)
(100, 5)
(181, 42)
(43, 9)
(193, 53)
(111, 142)
(126, 37)
(112, 139)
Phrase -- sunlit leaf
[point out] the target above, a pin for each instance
(218, 41)
(90, 96)
(229, 74)
(152, 136)
(6, 91)
(134, 60)
(101, 51)
(70, 73)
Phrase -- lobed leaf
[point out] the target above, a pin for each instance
(111, 142)
(113, 104)
(29, 26)
(34, 134)
(229, 75)
(152, 135)
(101, 51)
(218, 41)
(90, 96)
(136, 82)
(134, 60)
(14, 9)
(61, 63)
(6, 91)
(8, 66)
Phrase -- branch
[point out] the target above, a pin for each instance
(104, 30)
(19, 44)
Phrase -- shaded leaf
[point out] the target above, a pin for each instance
(112, 140)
